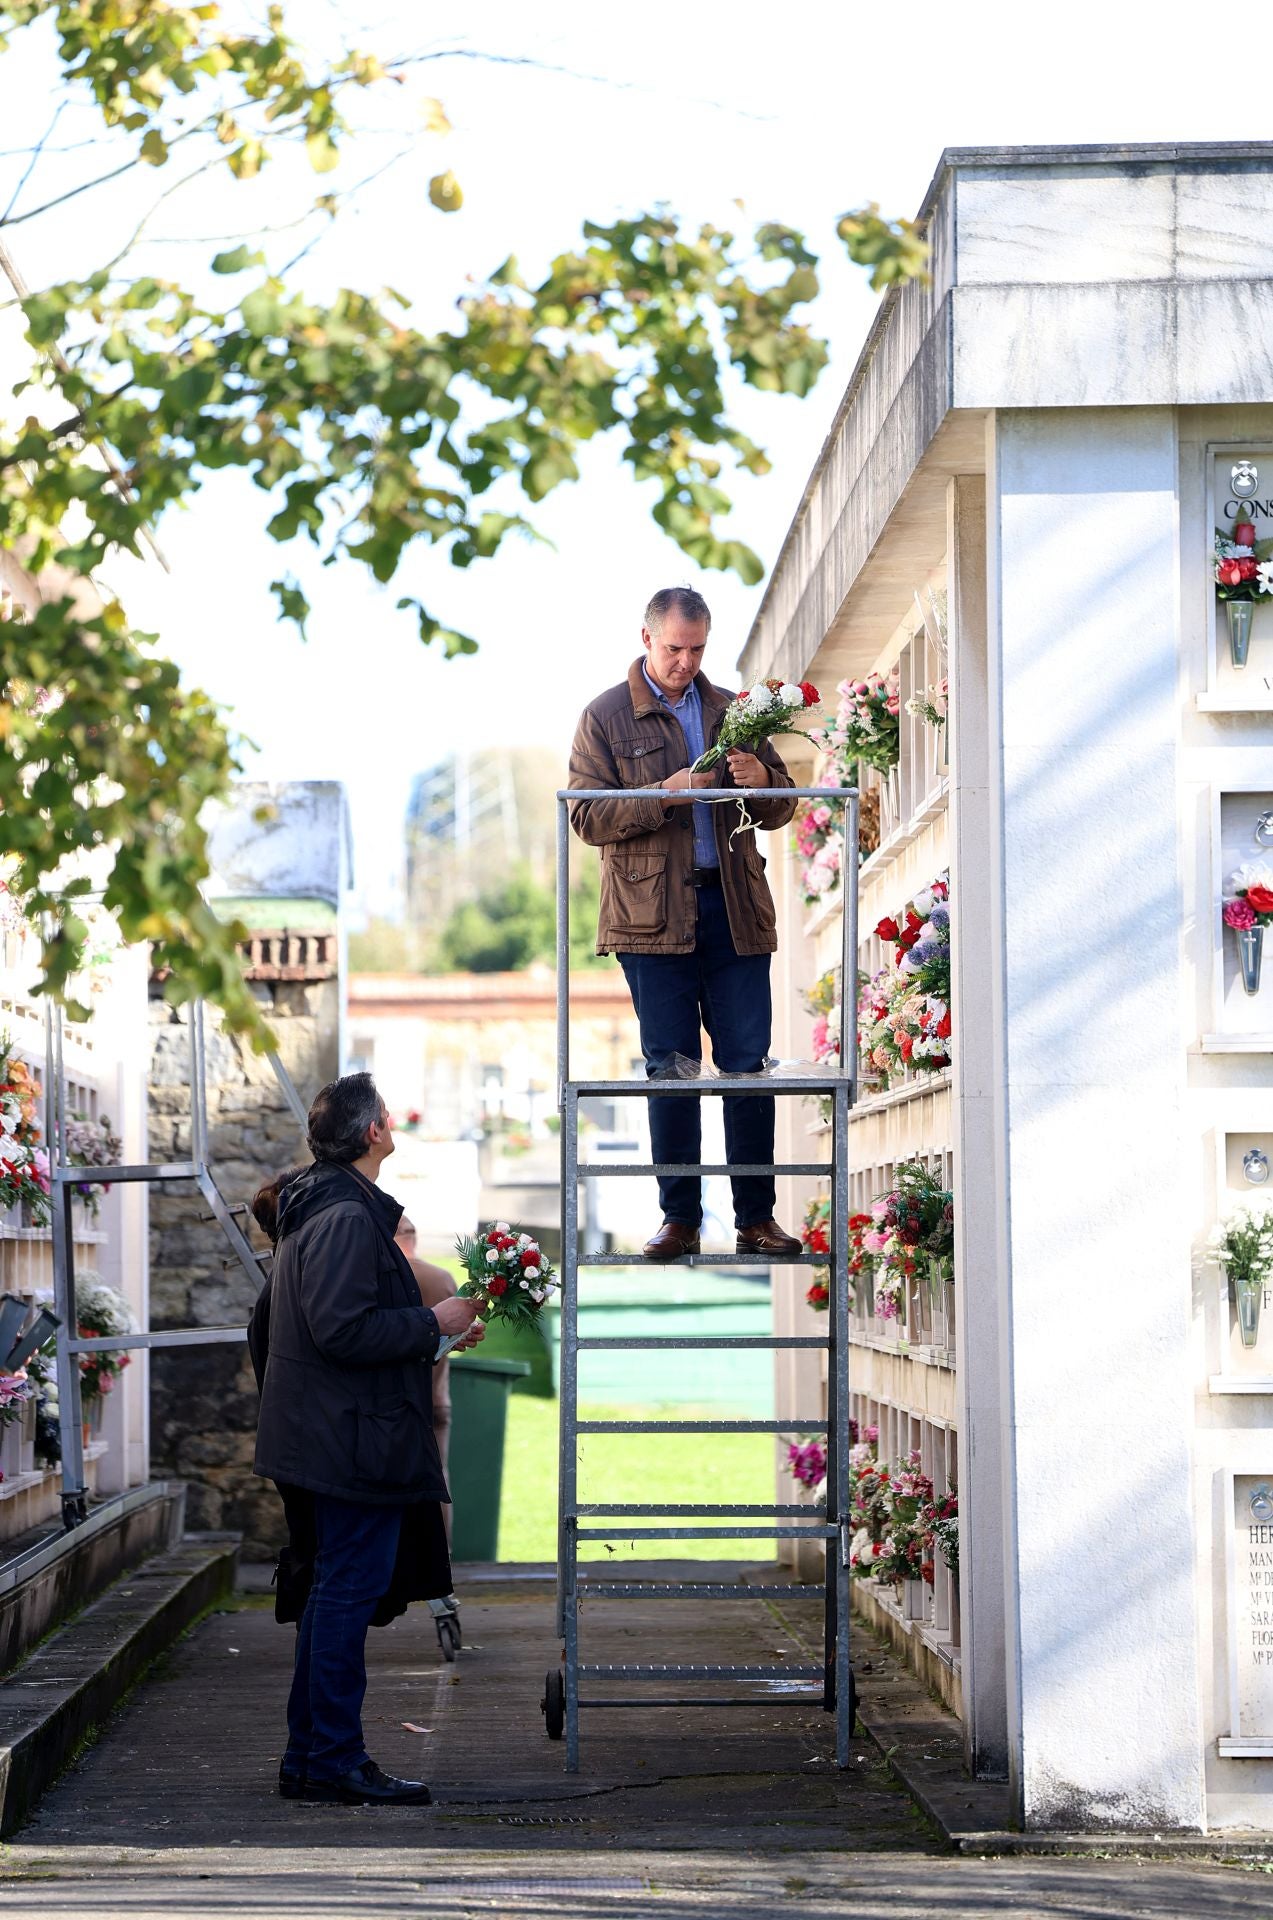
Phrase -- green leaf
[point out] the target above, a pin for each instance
(322, 150)
(292, 603)
(445, 192)
(154, 148)
(237, 260)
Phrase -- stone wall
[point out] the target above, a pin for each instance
(203, 1399)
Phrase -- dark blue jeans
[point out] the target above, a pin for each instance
(675, 996)
(357, 1547)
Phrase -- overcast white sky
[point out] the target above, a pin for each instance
(798, 112)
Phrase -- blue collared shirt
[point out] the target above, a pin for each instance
(688, 711)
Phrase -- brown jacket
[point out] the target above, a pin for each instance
(627, 738)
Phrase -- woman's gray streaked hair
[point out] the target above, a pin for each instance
(343, 1113)
(682, 600)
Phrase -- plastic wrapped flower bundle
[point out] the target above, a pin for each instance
(768, 708)
(508, 1274)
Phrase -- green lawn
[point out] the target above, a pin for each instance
(628, 1468)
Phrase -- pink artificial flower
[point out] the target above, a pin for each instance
(1239, 914)
(40, 1160)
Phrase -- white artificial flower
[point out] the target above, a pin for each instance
(524, 1285)
(923, 902)
(532, 1273)
(492, 1256)
(539, 1295)
(790, 695)
(1232, 551)
(1256, 873)
(760, 699)
(523, 1241)
(502, 1226)
(1264, 574)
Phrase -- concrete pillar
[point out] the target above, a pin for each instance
(1082, 619)
(978, 1126)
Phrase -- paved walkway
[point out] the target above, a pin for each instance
(172, 1812)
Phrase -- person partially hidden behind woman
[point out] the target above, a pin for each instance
(342, 1344)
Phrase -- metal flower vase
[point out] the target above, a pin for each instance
(1248, 1298)
(1239, 614)
(1250, 955)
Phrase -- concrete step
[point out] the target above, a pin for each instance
(61, 1693)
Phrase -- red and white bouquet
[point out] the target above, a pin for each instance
(1243, 565)
(771, 706)
(508, 1274)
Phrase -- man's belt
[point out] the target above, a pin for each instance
(705, 876)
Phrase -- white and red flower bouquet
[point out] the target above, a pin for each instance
(770, 707)
(1243, 565)
(508, 1274)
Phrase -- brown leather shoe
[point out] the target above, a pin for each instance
(674, 1239)
(768, 1237)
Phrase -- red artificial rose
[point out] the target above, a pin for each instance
(908, 939)
(745, 696)
(531, 1257)
(906, 1046)
(492, 1238)
(810, 692)
(1248, 568)
(1243, 534)
(497, 1285)
(1228, 574)
(943, 1026)
(1260, 898)
(887, 929)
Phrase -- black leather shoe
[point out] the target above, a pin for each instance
(291, 1784)
(768, 1237)
(674, 1239)
(369, 1786)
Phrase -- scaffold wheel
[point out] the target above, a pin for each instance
(553, 1704)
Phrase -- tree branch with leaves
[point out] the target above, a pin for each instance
(364, 434)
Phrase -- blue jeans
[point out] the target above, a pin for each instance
(357, 1547)
(675, 996)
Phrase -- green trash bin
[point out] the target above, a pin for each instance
(479, 1415)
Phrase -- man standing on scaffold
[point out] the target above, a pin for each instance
(686, 907)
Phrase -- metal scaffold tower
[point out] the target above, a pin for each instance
(64, 1178)
(579, 1685)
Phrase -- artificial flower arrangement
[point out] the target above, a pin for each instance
(1243, 565)
(931, 704)
(867, 725)
(906, 1549)
(1252, 905)
(770, 707)
(904, 1011)
(823, 1002)
(24, 1164)
(508, 1274)
(818, 842)
(100, 1312)
(868, 1503)
(807, 1460)
(91, 1143)
(941, 1516)
(912, 1228)
(1243, 1246)
(816, 1235)
(42, 1372)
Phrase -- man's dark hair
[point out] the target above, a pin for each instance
(343, 1113)
(682, 600)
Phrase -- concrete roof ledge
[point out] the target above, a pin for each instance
(1137, 275)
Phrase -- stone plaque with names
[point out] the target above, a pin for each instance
(1252, 1612)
